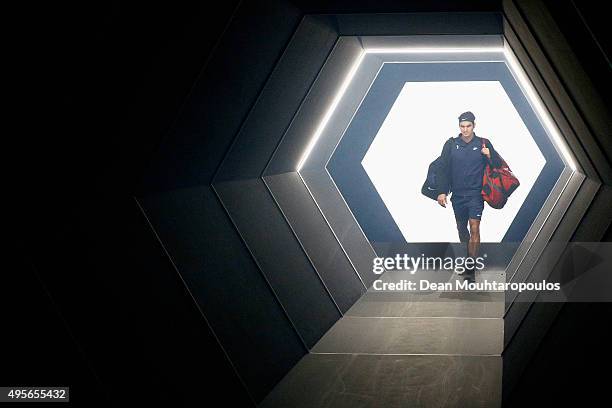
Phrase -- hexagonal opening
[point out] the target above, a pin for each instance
(376, 195)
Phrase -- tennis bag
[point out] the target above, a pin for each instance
(498, 183)
(430, 187)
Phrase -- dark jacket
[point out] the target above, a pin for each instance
(464, 176)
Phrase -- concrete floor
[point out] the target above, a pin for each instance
(405, 349)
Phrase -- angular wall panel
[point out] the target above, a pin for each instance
(248, 202)
(321, 246)
(226, 284)
(195, 229)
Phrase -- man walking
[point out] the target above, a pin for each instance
(463, 162)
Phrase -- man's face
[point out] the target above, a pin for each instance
(467, 128)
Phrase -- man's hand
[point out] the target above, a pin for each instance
(442, 200)
(485, 151)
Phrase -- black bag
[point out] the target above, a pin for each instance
(430, 187)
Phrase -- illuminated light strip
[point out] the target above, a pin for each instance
(536, 103)
(351, 74)
(515, 67)
(417, 50)
(330, 111)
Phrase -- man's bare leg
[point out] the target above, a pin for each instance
(474, 242)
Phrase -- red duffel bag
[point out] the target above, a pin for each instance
(498, 183)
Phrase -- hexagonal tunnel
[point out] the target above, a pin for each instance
(410, 106)
(323, 175)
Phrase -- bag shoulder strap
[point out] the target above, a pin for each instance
(449, 143)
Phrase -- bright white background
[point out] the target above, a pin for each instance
(424, 115)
